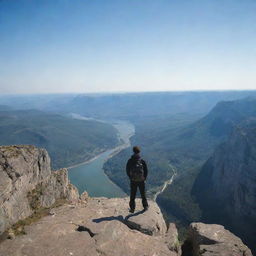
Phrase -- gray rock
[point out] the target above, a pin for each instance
(150, 222)
(171, 238)
(98, 228)
(27, 183)
(84, 196)
(212, 239)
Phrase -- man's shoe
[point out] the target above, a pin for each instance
(131, 210)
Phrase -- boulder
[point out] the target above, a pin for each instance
(212, 239)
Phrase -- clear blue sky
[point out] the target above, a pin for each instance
(126, 45)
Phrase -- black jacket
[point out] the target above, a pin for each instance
(129, 164)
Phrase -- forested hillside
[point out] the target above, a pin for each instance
(191, 152)
(68, 141)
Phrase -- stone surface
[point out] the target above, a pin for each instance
(84, 196)
(98, 228)
(150, 222)
(212, 239)
(27, 182)
(171, 238)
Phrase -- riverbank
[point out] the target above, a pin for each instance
(116, 150)
(125, 140)
(89, 160)
(90, 175)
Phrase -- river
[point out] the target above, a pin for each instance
(90, 176)
(166, 183)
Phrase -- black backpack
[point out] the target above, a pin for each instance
(137, 171)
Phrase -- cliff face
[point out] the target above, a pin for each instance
(88, 226)
(226, 186)
(27, 183)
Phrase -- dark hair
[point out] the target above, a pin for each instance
(136, 149)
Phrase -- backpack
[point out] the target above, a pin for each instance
(137, 171)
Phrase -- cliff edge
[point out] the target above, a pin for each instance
(86, 226)
(27, 183)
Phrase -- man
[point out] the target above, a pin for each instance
(137, 171)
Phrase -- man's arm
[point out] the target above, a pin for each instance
(128, 168)
(145, 169)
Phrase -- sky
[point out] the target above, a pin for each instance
(81, 46)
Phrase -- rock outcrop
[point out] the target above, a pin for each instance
(27, 183)
(88, 226)
(212, 239)
(100, 227)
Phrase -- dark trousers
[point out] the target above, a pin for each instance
(141, 185)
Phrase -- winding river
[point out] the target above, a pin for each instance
(168, 182)
(90, 176)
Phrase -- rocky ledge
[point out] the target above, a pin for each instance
(99, 227)
(87, 226)
(212, 239)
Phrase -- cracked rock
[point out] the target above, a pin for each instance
(27, 183)
(98, 229)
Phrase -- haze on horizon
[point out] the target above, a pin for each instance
(84, 46)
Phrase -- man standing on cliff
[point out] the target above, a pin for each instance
(137, 171)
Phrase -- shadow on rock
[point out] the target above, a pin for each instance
(134, 214)
(119, 217)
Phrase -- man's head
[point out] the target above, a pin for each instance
(136, 150)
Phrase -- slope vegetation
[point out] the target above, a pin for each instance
(68, 141)
(189, 153)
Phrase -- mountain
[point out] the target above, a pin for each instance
(125, 105)
(191, 147)
(69, 141)
(225, 187)
(42, 214)
(197, 140)
(131, 105)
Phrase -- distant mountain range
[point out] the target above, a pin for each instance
(125, 105)
(69, 141)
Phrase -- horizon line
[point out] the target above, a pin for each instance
(125, 92)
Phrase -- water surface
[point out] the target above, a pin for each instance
(90, 176)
